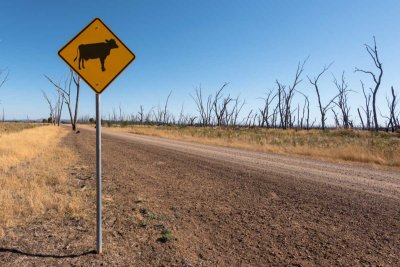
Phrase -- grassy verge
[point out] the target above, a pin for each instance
(379, 149)
(11, 127)
(33, 176)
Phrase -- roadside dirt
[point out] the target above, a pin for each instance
(224, 207)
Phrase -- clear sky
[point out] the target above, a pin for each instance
(182, 44)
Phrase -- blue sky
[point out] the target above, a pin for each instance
(182, 44)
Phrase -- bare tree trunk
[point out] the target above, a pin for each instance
(236, 110)
(281, 92)
(265, 111)
(220, 108)
(322, 109)
(392, 110)
(141, 114)
(342, 102)
(290, 93)
(77, 80)
(367, 105)
(51, 108)
(377, 78)
(361, 119)
(336, 119)
(3, 80)
(165, 113)
(306, 105)
(66, 93)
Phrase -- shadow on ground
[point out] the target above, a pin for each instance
(40, 255)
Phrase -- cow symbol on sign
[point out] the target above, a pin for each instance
(93, 51)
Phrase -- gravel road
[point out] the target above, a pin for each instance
(224, 207)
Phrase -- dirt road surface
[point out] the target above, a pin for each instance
(224, 207)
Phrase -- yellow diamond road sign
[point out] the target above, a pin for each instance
(97, 55)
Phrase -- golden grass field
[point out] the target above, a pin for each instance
(33, 173)
(378, 149)
(10, 127)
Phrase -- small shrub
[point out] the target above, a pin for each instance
(143, 223)
(166, 235)
(149, 214)
(144, 211)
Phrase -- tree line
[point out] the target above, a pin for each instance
(278, 110)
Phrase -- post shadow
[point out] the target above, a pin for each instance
(43, 255)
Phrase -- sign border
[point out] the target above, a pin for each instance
(70, 65)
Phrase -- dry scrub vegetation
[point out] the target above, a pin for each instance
(10, 127)
(33, 175)
(374, 148)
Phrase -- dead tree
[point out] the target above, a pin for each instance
(220, 105)
(285, 97)
(275, 117)
(234, 114)
(361, 119)
(292, 89)
(247, 120)
(158, 115)
(366, 110)
(59, 107)
(148, 115)
(264, 112)
(121, 116)
(52, 112)
(281, 103)
(292, 118)
(204, 107)
(323, 109)
(342, 100)
(306, 106)
(55, 107)
(165, 112)
(377, 78)
(392, 105)
(181, 118)
(3, 80)
(66, 93)
(191, 119)
(335, 116)
(141, 114)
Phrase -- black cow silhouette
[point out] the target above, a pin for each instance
(93, 51)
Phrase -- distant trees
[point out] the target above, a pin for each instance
(284, 106)
(219, 110)
(393, 118)
(73, 81)
(55, 107)
(3, 79)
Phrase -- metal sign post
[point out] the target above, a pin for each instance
(86, 54)
(99, 244)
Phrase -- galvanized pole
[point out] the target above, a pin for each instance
(99, 245)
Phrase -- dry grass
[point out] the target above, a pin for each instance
(378, 149)
(33, 176)
(11, 127)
